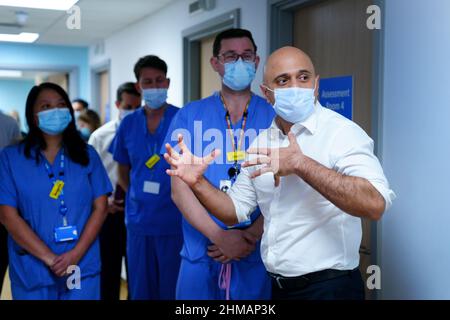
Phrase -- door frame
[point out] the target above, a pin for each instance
(96, 70)
(191, 49)
(281, 33)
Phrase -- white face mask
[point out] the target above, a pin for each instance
(123, 113)
(294, 104)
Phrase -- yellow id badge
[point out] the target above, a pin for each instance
(57, 189)
(154, 159)
(235, 156)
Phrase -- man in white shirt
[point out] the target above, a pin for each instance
(9, 131)
(79, 105)
(113, 233)
(313, 174)
(9, 134)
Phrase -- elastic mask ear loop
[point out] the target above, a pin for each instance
(314, 91)
(273, 91)
(315, 98)
(268, 88)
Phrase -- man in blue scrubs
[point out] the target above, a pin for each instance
(113, 234)
(218, 263)
(154, 236)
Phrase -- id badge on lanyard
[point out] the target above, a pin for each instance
(234, 156)
(66, 232)
(153, 187)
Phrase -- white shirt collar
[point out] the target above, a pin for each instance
(309, 124)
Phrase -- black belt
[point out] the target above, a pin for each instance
(307, 279)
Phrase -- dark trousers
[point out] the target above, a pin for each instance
(113, 249)
(3, 254)
(347, 287)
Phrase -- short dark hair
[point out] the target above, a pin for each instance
(127, 87)
(230, 34)
(84, 103)
(91, 118)
(149, 61)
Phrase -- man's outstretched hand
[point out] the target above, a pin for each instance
(279, 161)
(185, 165)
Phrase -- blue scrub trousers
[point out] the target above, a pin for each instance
(90, 290)
(153, 265)
(200, 281)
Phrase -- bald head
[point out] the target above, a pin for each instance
(287, 60)
(288, 67)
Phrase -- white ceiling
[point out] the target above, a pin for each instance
(99, 19)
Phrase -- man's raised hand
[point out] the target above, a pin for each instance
(279, 161)
(185, 165)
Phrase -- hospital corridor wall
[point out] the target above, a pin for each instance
(414, 234)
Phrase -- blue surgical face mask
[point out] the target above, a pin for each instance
(85, 133)
(154, 98)
(54, 121)
(239, 75)
(76, 114)
(294, 104)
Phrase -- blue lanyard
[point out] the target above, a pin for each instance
(62, 205)
(154, 146)
(156, 136)
(234, 171)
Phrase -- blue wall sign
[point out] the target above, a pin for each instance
(337, 94)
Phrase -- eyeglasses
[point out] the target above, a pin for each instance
(228, 57)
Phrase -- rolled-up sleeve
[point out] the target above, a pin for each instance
(352, 155)
(243, 195)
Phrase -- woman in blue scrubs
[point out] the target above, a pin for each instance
(53, 200)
